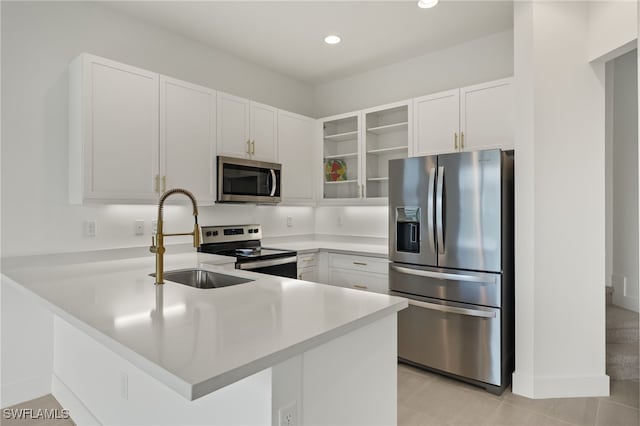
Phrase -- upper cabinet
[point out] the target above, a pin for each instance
(341, 157)
(486, 116)
(467, 119)
(246, 129)
(386, 137)
(188, 138)
(113, 131)
(295, 152)
(357, 148)
(134, 134)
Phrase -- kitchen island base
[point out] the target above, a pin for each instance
(351, 379)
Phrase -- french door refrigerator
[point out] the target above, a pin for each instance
(451, 251)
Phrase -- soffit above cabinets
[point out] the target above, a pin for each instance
(287, 36)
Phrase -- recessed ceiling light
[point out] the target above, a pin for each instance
(332, 39)
(427, 4)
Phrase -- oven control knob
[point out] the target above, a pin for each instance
(251, 231)
(215, 233)
(256, 230)
(208, 233)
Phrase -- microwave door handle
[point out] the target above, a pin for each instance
(274, 182)
(440, 210)
(430, 225)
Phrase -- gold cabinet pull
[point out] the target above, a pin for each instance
(248, 147)
(253, 147)
(461, 140)
(164, 183)
(361, 287)
(156, 186)
(455, 140)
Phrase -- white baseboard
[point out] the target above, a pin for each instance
(26, 390)
(540, 387)
(77, 410)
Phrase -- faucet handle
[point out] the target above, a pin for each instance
(153, 248)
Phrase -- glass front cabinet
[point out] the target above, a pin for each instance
(356, 150)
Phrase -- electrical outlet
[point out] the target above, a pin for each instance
(90, 228)
(288, 415)
(139, 227)
(289, 221)
(154, 226)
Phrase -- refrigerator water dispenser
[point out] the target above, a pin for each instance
(408, 229)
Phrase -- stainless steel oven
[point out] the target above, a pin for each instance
(244, 243)
(248, 181)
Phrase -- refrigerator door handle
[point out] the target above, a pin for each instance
(444, 275)
(452, 309)
(430, 225)
(440, 210)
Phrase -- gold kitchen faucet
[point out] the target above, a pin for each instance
(157, 244)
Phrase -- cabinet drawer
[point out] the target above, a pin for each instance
(307, 260)
(359, 263)
(378, 283)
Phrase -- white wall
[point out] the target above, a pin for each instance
(361, 221)
(484, 59)
(625, 185)
(38, 42)
(613, 28)
(560, 244)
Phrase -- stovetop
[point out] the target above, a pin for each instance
(239, 241)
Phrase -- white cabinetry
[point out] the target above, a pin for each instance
(486, 115)
(341, 157)
(188, 138)
(134, 133)
(113, 131)
(467, 119)
(308, 267)
(437, 123)
(359, 272)
(246, 129)
(295, 152)
(386, 137)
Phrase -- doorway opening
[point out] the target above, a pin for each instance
(621, 182)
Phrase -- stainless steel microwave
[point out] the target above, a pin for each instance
(248, 181)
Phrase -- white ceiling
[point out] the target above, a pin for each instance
(287, 37)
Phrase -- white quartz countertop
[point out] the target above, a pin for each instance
(198, 340)
(377, 250)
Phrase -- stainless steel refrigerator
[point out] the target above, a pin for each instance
(451, 250)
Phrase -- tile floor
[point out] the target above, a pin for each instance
(428, 399)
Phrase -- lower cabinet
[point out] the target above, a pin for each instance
(359, 272)
(308, 267)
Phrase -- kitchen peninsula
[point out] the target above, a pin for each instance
(126, 351)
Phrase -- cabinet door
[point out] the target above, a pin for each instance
(113, 131)
(264, 132)
(308, 274)
(233, 126)
(486, 115)
(187, 138)
(436, 123)
(295, 152)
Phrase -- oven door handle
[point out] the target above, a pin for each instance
(452, 309)
(248, 266)
(444, 275)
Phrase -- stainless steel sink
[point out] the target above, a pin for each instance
(201, 278)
